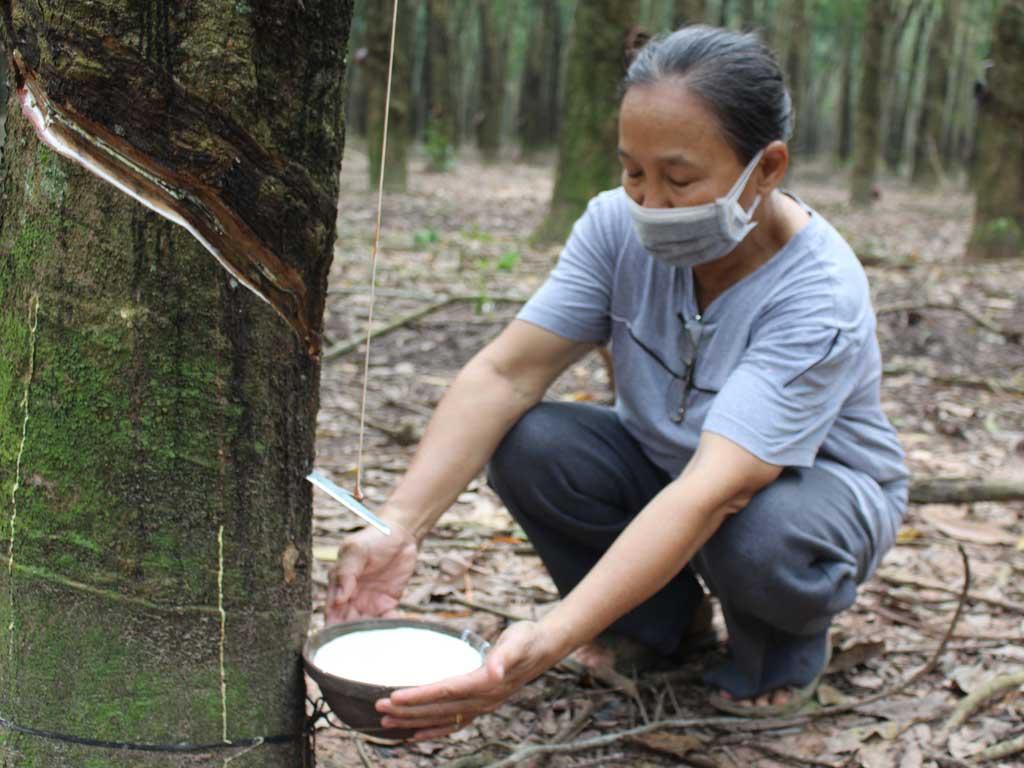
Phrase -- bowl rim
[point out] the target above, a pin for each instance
(316, 640)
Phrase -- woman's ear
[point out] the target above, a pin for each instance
(774, 164)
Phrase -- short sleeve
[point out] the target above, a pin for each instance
(785, 394)
(574, 302)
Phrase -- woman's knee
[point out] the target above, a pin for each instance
(766, 563)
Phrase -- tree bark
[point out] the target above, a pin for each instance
(845, 144)
(869, 105)
(586, 147)
(999, 177)
(927, 170)
(539, 118)
(689, 12)
(796, 71)
(901, 91)
(748, 14)
(375, 71)
(493, 57)
(3, 96)
(442, 119)
(148, 402)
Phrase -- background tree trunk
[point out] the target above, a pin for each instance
(586, 147)
(999, 178)
(494, 35)
(901, 90)
(796, 70)
(375, 71)
(356, 89)
(147, 400)
(845, 144)
(442, 121)
(688, 12)
(748, 14)
(539, 116)
(869, 105)
(927, 163)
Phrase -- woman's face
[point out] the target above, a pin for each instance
(672, 150)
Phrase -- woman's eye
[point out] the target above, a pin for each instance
(679, 183)
(634, 174)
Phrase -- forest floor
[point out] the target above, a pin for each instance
(456, 247)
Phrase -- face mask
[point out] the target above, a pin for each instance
(696, 234)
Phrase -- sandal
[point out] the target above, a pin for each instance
(799, 697)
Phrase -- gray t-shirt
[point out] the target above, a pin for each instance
(786, 362)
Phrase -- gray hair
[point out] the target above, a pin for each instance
(735, 74)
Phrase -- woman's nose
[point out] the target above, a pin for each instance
(655, 198)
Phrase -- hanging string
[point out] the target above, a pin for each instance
(373, 258)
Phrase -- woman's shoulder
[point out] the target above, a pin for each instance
(822, 270)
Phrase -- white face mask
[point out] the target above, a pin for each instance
(696, 234)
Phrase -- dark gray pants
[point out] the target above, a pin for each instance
(781, 568)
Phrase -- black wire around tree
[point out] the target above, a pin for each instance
(319, 712)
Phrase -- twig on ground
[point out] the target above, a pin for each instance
(455, 598)
(926, 629)
(617, 757)
(570, 730)
(998, 751)
(972, 382)
(405, 435)
(966, 708)
(975, 316)
(354, 341)
(364, 758)
(790, 758)
(938, 490)
(937, 586)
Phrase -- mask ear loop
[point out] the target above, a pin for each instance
(741, 182)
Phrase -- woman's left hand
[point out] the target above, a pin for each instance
(521, 654)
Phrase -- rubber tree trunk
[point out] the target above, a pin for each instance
(356, 87)
(441, 131)
(999, 177)
(375, 68)
(927, 169)
(748, 15)
(495, 23)
(156, 417)
(586, 147)
(901, 90)
(796, 70)
(844, 146)
(538, 118)
(869, 105)
(688, 12)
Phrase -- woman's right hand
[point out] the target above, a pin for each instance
(370, 575)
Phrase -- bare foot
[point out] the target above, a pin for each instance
(776, 698)
(593, 655)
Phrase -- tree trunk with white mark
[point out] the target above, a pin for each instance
(148, 398)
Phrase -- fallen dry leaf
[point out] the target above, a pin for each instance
(856, 655)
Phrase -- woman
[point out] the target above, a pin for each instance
(747, 443)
